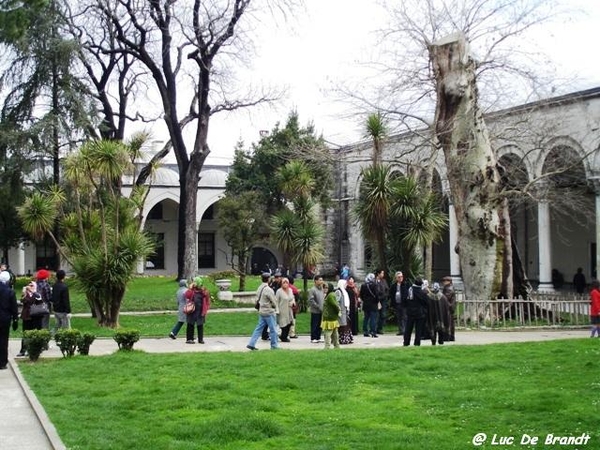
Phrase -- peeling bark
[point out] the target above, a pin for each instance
(472, 167)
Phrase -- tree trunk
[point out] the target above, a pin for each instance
(471, 164)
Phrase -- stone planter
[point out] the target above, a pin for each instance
(224, 293)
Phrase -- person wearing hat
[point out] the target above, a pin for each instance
(199, 295)
(9, 313)
(181, 316)
(448, 291)
(45, 290)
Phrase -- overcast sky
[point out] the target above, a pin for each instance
(327, 46)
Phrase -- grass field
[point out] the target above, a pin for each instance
(417, 398)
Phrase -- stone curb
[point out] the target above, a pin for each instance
(47, 426)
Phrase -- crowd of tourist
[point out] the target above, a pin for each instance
(428, 312)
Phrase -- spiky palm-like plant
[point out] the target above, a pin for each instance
(372, 209)
(101, 235)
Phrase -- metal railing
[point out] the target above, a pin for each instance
(541, 311)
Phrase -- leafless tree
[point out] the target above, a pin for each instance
(180, 55)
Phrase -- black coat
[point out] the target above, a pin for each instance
(60, 298)
(403, 292)
(416, 307)
(8, 305)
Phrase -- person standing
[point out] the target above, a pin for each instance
(9, 314)
(315, 306)
(595, 308)
(399, 291)
(285, 303)
(5, 268)
(438, 318)
(267, 311)
(354, 297)
(30, 296)
(295, 308)
(181, 316)
(331, 314)
(369, 300)
(45, 291)
(579, 282)
(416, 310)
(61, 301)
(448, 291)
(382, 299)
(199, 295)
(343, 299)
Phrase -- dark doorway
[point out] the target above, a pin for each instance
(262, 260)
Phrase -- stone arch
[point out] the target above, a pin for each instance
(563, 142)
(512, 158)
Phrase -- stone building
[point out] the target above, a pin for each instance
(532, 141)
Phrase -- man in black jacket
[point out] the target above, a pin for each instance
(61, 301)
(416, 310)
(8, 313)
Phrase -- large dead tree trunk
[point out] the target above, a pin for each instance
(472, 167)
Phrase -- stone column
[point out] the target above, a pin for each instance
(544, 247)
(19, 268)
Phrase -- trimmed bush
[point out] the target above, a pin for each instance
(67, 340)
(36, 341)
(126, 338)
(84, 343)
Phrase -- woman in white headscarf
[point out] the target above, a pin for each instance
(341, 295)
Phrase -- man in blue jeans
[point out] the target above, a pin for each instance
(315, 306)
(267, 312)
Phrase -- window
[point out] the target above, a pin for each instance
(45, 254)
(157, 259)
(206, 250)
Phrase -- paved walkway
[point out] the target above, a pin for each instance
(24, 424)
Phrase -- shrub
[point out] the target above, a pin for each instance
(36, 341)
(84, 342)
(126, 338)
(67, 341)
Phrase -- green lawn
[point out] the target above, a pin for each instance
(151, 293)
(415, 398)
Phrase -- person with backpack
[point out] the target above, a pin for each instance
(200, 297)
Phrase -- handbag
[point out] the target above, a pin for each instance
(257, 302)
(39, 309)
(189, 308)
